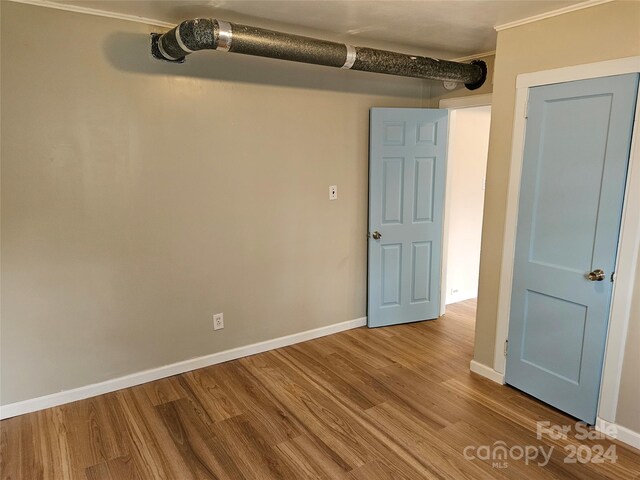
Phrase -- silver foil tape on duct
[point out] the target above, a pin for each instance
(212, 34)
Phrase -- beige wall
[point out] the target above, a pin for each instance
(466, 168)
(604, 32)
(139, 198)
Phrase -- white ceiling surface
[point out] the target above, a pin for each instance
(459, 27)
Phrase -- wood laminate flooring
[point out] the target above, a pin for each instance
(366, 404)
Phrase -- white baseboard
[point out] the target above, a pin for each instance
(618, 432)
(60, 398)
(461, 296)
(487, 372)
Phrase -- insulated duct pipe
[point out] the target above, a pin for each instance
(212, 34)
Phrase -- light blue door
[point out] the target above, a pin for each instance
(575, 164)
(407, 163)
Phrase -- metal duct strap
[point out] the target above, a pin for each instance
(211, 34)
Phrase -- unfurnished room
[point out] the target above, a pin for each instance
(319, 239)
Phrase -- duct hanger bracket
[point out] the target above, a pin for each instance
(157, 54)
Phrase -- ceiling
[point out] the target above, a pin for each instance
(457, 27)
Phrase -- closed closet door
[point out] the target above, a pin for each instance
(576, 156)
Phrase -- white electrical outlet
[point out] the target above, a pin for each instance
(333, 192)
(218, 321)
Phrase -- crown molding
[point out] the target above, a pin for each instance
(160, 23)
(96, 12)
(474, 56)
(552, 13)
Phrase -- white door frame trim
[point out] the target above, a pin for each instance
(468, 101)
(629, 242)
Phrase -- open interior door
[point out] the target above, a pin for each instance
(407, 171)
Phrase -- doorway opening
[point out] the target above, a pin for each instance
(466, 172)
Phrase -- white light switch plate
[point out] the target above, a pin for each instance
(333, 192)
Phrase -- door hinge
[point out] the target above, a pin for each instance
(613, 276)
(506, 347)
(368, 234)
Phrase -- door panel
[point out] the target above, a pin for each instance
(391, 273)
(557, 355)
(392, 190)
(424, 189)
(421, 272)
(406, 196)
(574, 171)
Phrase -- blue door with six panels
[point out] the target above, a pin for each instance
(407, 163)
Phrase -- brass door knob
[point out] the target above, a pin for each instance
(377, 235)
(596, 276)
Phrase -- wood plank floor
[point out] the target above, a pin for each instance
(387, 403)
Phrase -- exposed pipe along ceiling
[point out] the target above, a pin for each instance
(211, 34)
